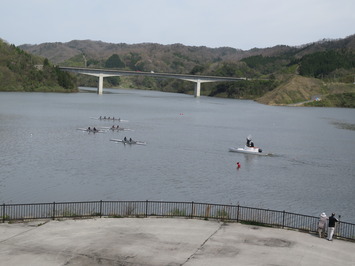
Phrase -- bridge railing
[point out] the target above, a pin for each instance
(243, 214)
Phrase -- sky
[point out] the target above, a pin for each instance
(241, 24)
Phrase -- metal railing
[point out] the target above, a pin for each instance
(257, 216)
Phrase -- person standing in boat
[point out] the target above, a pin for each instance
(250, 143)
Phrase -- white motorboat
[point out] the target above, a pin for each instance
(246, 149)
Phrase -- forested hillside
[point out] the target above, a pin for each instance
(21, 71)
(276, 75)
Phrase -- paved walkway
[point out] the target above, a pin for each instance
(164, 241)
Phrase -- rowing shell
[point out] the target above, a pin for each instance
(109, 119)
(117, 129)
(129, 142)
(91, 130)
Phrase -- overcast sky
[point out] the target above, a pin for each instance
(241, 24)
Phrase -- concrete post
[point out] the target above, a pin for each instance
(101, 84)
(197, 88)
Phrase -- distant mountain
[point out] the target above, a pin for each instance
(161, 58)
(293, 73)
(60, 52)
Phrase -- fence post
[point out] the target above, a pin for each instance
(337, 228)
(146, 208)
(283, 219)
(100, 208)
(192, 209)
(238, 213)
(3, 213)
(53, 216)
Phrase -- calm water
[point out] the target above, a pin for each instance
(44, 158)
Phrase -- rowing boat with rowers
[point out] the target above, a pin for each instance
(113, 128)
(129, 141)
(104, 118)
(92, 130)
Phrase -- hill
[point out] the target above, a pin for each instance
(59, 53)
(21, 71)
(281, 70)
(294, 89)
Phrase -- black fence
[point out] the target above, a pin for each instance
(117, 209)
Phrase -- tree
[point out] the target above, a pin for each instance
(132, 60)
(45, 62)
(114, 81)
(321, 64)
(114, 61)
(197, 70)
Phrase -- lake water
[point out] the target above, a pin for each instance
(44, 158)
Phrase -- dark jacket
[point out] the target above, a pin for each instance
(332, 221)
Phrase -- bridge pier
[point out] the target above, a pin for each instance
(101, 84)
(101, 76)
(197, 90)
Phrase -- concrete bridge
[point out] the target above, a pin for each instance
(101, 73)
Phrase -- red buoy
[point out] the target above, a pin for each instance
(238, 165)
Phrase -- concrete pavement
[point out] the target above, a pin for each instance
(164, 241)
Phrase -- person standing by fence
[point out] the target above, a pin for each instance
(322, 224)
(331, 226)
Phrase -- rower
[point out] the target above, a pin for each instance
(94, 129)
(125, 139)
(89, 129)
(130, 140)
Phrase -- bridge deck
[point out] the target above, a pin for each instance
(101, 73)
